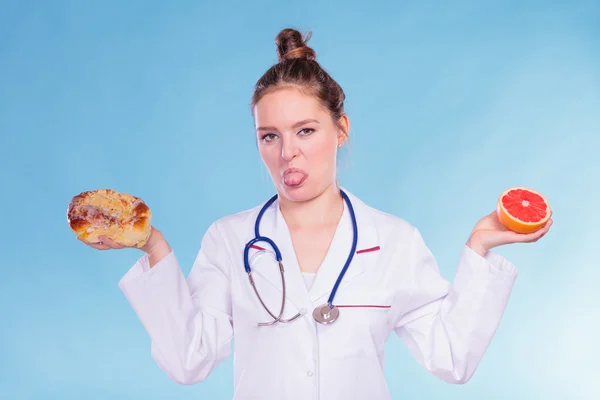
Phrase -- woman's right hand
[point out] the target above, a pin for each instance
(106, 243)
(156, 247)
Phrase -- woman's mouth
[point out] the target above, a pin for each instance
(294, 177)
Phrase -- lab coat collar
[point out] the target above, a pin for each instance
(340, 248)
(333, 262)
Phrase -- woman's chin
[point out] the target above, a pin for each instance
(301, 192)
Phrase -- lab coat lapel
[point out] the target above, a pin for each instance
(339, 251)
(295, 288)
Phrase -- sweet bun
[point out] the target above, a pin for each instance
(124, 218)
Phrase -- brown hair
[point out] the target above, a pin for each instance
(297, 67)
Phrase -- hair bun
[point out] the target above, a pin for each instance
(291, 44)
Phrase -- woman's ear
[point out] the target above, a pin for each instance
(344, 131)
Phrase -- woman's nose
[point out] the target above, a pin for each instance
(289, 149)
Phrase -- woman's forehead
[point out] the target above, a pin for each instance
(286, 107)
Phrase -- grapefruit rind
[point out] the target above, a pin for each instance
(516, 225)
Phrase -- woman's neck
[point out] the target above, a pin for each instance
(323, 210)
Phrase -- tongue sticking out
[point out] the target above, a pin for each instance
(294, 178)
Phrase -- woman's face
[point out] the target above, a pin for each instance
(298, 142)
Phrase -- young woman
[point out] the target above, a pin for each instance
(352, 274)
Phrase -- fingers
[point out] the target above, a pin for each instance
(104, 243)
(98, 246)
(537, 235)
(542, 232)
(110, 243)
(506, 236)
(546, 228)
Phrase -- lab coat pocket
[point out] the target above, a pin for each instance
(361, 329)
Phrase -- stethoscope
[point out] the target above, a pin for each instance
(324, 314)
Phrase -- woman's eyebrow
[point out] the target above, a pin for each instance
(297, 124)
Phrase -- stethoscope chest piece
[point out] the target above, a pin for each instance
(326, 314)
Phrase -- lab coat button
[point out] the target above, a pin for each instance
(309, 373)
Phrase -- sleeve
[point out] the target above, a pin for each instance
(448, 327)
(189, 321)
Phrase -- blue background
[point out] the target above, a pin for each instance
(449, 104)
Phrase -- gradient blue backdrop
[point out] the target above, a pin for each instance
(450, 105)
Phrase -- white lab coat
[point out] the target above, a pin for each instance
(392, 284)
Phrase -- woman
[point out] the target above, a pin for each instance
(390, 281)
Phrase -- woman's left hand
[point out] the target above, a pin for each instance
(489, 233)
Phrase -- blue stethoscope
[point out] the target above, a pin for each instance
(324, 314)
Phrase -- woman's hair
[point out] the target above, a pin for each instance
(297, 67)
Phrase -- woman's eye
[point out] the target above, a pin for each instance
(306, 131)
(268, 137)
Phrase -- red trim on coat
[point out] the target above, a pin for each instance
(254, 246)
(361, 306)
(368, 250)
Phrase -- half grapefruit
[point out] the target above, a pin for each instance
(523, 210)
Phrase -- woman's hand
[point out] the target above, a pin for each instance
(155, 240)
(489, 233)
(156, 247)
(105, 244)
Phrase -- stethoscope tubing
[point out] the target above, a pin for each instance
(278, 257)
(352, 250)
